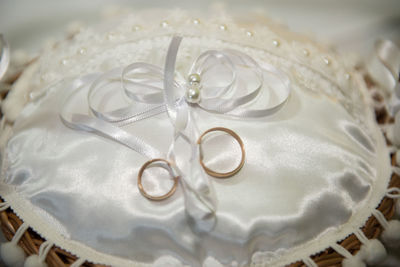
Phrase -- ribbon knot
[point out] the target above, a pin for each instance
(224, 82)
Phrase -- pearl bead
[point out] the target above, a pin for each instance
(326, 60)
(136, 28)
(305, 52)
(194, 78)
(250, 33)
(275, 43)
(82, 51)
(223, 27)
(110, 36)
(64, 62)
(164, 24)
(196, 22)
(193, 94)
(31, 96)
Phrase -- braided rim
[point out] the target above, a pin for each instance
(31, 241)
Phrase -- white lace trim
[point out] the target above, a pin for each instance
(322, 71)
(26, 211)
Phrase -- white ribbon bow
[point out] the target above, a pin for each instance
(242, 85)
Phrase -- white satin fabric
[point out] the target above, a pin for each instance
(236, 98)
(308, 168)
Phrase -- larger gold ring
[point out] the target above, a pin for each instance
(140, 186)
(237, 138)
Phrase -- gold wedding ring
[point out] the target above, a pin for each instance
(237, 138)
(140, 186)
(206, 169)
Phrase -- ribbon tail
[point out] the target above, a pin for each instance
(200, 199)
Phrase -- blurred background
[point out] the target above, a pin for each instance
(352, 26)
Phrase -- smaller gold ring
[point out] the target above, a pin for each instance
(237, 138)
(140, 186)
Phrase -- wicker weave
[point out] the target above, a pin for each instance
(31, 241)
